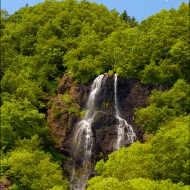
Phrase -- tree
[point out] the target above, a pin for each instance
(161, 163)
(99, 183)
(170, 146)
(129, 20)
(124, 16)
(133, 162)
(20, 120)
(30, 168)
(4, 14)
(164, 106)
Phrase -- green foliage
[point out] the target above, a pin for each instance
(20, 119)
(21, 84)
(4, 14)
(56, 111)
(136, 162)
(180, 54)
(77, 60)
(151, 117)
(140, 183)
(95, 41)
(142, 166)
(99, 183)
(105, 104)
(82, 113)
(56, 156)
(40, 43)
(164, 106)
(129, 20)
(164, 73)
(30, 168)
(66, 98)
(170, 147)
(71, 106)
(147, 51)
(176, 98)
(71, 110)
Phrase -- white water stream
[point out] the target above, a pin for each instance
(84, 139)
(122, 127)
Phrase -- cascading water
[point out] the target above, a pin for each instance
(83, 136)
(122, 125)
(84, 139)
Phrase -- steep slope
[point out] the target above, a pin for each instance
(68, 106)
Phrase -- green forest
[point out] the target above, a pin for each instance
(41, 43)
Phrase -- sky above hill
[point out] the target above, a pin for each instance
(140, 9)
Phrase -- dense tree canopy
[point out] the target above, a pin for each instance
(165, 156)
(164, 106)
(54, 37)
(40, 44)
(31, 168)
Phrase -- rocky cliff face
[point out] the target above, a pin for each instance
(67, 110)
(61, 118)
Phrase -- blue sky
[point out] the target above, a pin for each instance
(140, 9)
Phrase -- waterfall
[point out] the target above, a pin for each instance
(117, 114)
(122, 127)
(84, 138)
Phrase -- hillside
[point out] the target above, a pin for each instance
(52, 55)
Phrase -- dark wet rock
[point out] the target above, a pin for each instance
(105, 134)
(63, 124)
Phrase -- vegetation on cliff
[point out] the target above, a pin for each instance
(40, 44)
(157, 163)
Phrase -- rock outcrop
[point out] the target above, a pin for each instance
(61, 118)
(5, 184)
(67, 109)
(105, 135)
